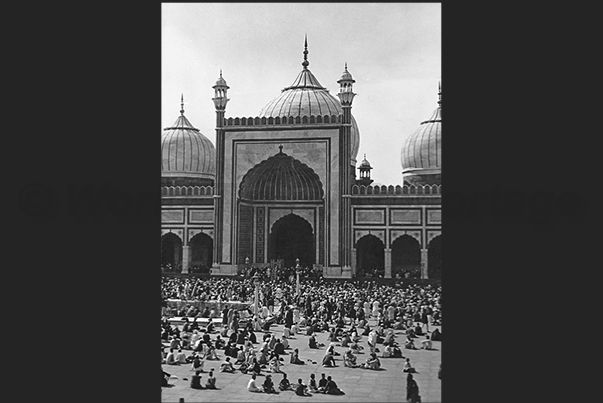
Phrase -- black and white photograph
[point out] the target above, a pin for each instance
(301, 208)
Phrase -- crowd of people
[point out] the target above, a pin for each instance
(340, 309)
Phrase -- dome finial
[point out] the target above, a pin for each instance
(220, 73)
(280, 149)
(182, 104)
(439, 94)
(306, 63)
(346, 66)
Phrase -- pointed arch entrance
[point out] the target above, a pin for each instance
(434, 257)
(406, 256)
(201, 250)
(291, 237)
(171, 251)
(370, 256)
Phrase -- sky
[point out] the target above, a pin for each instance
(393, 51)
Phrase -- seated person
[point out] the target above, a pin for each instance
(328, 360)
(274, 363)
(226, 366)
(301, 389)
(279, 348)
(397, 352)
(286, 333)
(322, 384)
(285, 344)
(408, 367)
(219, 343)
(372, 362)
(345, 340)
(309, 330)
(211, 381)
(164, 378)
(197, 362)
(295, 357)
(332, 388)
(240, 356)
(418, 330)
(312, 385)
(211, 353)
(284, 384)
(251, 385)
(410, 333)
(312, 342)
(196, 381)
(426, 344)
(180, 357)
(332, 336)
(295, 329)
(349, 359)
(263, 357)
(436, 335)
(268, 385)
(252, 337)
(410, 344)
(331, 349)
(388, 352)
(171, 358)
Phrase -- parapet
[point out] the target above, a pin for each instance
(187, 191)
(281, 121)
(362, 190)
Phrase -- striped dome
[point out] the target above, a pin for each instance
(187, 153)
(281, 177)
(422, 152)
(307, 97)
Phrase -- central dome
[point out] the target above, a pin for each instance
(281, 177)
(307, 97)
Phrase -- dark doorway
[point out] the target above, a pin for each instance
(434, 258)
(406, 257)
(370, 256)
(171, 252)
(291, 238)
(201, 250)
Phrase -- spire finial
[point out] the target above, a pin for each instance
(439, 94)
(306, 63)
(182, 104)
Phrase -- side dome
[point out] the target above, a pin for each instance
(421, 154)
(187, 153)
(281, 177)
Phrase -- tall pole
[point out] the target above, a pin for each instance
(256, 283)
(297, 273)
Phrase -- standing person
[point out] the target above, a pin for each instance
(412, 390)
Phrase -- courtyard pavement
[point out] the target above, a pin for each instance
(359, 385)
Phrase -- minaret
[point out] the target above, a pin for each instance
(220, 100)
(346, 96)
(365, 173)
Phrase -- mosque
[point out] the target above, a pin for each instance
(284, 185)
